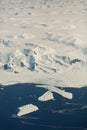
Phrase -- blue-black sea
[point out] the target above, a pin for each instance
(57, 114)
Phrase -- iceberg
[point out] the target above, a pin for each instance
(46, 96)
(26, 109)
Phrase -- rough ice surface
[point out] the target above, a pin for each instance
(43, 42)
(26, 109)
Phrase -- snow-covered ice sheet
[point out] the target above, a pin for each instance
(43, 42)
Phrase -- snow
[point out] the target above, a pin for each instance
(76, 78)
(43, 42)
(26, 109)
(46, 96)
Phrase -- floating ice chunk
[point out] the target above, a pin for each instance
(63, 93)
(26, 109)
(67, 95)
(46, 96)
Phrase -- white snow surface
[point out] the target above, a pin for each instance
(43, 42)
(26, 109)
(46, 96)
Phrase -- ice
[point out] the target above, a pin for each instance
(26, 109)
(46, 96)
(63, 93)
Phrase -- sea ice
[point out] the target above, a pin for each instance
(26, 109)
(46, 96)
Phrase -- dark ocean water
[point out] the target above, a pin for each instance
(58, 114)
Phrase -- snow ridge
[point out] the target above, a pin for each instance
(35, 58)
